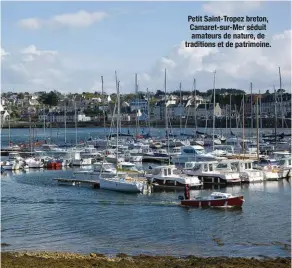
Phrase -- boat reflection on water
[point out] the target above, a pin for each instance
(268, 186)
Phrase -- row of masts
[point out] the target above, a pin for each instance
(166, 113)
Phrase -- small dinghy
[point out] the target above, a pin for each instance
(216, 199)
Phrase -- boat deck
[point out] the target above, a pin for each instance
(74, 182)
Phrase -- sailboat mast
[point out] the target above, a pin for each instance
(276, 117)
(180, 107)
(9, 130)
(148, 109)
(282, 113)
(75, 122)
(230, 111)
(118, 118)
(103, 102)
(44, 117)
(214, 102)
(257, 122)
(166, 119)
(243, 143)
(65, 121)
(260, 111)
(137, 101)
(195, 101)
(251, 113)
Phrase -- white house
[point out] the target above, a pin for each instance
(59, 117)
(4, 113)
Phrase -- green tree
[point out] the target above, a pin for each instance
(51, 98)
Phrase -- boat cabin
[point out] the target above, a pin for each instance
(236, 165)
(192, 150)
(286, 162)
(176, 150)
(280, 155)
(164, 171)
(170, 176)
(14, 156)
(209, 166)
(226, 148)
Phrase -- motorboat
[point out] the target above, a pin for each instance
(213, 173)
(170, 177)
(246, 170)
(123, 184)
(159, 155)
(77, 160)
(34, 163)
(12, 165)
(269, 167)
(106, 170)
(285, 167)
(216, 199)
(192, 153)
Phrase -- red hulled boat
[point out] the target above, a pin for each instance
(216, 199)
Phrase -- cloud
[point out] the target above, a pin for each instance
(32, 68)
(230, 8)
(31, 23)
(235, 67)
(4, 53)
(80, 19)
(31, 53)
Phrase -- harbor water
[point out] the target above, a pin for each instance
(39, 214)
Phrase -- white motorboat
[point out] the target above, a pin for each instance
(245, 169)
(90, 152)
(34, 163)
(122, 184)
(212, 173)
(192, 153)
(112, 158)
(132, 158)
(106, 170)
(11, 165)
(78, 161)
(169, 176)
(269, 167)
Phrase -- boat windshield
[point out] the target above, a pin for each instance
(200, 151)
(222, 166)
(107, 166)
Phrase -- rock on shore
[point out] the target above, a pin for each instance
(63, 259)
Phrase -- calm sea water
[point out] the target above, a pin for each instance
(57, 135)
(39, 214)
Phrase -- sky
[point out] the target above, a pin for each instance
(68, 46)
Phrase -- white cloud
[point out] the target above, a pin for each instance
(81, 18)
(4, 53)
(31, 53)
(235, 68)
(30, 23)
(230, 8)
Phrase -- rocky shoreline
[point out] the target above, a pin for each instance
(65, 259)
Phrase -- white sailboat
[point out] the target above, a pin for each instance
(121, 183)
